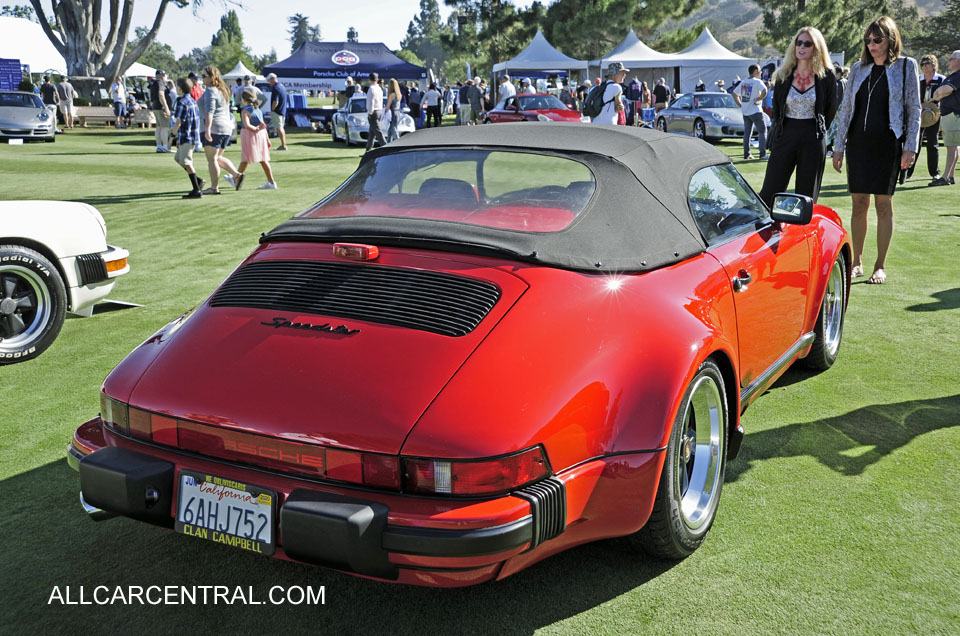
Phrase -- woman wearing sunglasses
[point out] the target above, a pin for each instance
(879, 129)
(804, 103)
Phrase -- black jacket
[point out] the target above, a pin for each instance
(826, 104)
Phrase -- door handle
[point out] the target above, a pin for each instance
(741, 280)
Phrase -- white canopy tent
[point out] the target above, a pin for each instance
(139, 70)
(25, 40)
(710, 61)
(539, 58)
(240, 71)
(644, 63)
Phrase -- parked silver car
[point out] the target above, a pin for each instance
(24, 116)
(703, 115)
(350, 125)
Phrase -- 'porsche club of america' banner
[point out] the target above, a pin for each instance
(327, 65)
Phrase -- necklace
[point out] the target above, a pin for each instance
(803, 82)
(870, 89)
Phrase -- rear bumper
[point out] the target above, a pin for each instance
(388, 536)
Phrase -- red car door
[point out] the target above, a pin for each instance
(768, 265)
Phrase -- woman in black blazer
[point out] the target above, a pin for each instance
(804, 104)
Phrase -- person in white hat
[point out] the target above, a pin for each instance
(612, 94)
(526, 88)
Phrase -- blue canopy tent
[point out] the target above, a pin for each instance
(326, 65)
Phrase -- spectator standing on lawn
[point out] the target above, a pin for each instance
(254, 143)
(930, 81)
(804, 104)
(197, 91)
(948, 96)
(48, 92)
(186, 130)
(507, 89)
(66, 94)
(394, 97)
(660, 94)
(612, 94)
(416, 97)
(645, 96)
(235, 93)
(476, 102)
(279, 107)
(466, 114)
(749, 94)
(261, 98)
(218, 123)
(526, 88)
(119, 96)
(374, 111)
(879, 129)
(431, 101)
(161, 110)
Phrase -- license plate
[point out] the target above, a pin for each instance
(226, 511)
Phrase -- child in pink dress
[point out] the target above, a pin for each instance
(254, 144)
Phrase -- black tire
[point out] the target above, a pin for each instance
(50, 139)
(829, 330)
(683, 514)
(333, 133)
(662, 125)
(346, 135)
(33, 303)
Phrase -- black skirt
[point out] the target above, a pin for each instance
(873, 152)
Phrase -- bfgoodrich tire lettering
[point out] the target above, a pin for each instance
(829, 329)
(33, 303)
(689, 490)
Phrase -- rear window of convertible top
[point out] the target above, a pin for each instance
(518, 191)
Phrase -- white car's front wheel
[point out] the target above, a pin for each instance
(33, 302)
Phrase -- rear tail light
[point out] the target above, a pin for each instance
(420, 475)
(475, 477)
(356, 251)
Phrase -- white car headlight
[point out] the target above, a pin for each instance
(406, 120)
(354, 120)
(584, 119)
(43, 115)
(542, 117)
(719, 116)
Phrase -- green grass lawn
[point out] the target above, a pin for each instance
(839, 517)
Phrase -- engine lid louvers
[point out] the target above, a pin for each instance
(427, 301)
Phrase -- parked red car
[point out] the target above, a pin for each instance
(538, 107)
(488, 345)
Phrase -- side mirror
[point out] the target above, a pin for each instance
(792, 208)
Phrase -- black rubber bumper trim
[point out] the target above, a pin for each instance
(129, 484)
(458, 543)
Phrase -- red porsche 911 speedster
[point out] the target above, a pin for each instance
(536, 107)
(488, 345)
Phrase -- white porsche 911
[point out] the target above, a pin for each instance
(54, 260)
(350, 125)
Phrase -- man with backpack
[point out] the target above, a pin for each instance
(604, 103)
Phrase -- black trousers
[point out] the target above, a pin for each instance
(797, 148)
(375, 134)
(433, 113)
(928, 138)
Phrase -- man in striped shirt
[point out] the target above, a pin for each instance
(186, 128)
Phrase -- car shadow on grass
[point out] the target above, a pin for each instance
(946, 299)
(852, 442)
(51, 542)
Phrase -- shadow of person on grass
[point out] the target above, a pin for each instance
(946, 299)
(51, 542)
(127, 198)
(852, 442)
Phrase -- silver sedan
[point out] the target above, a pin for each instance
(350, 125)
(24, 116)
(703, 115)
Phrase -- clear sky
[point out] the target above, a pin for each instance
(264, 22)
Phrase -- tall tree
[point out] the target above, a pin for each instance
(423, 35)
(76, 33)
(17, 11)
(841, 21)
(301, 31)
(940, 34)
(229, 30)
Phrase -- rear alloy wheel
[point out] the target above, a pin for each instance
(699, 130)
(692, 476)
(829, 329)
(33, 303)
(662, 125)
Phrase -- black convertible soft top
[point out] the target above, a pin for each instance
(638, 219)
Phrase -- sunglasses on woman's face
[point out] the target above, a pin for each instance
(875, 40)
(804, 43)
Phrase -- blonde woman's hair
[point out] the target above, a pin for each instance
(214, 74)
(887, 28)
(819, 61)
(394, 89)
